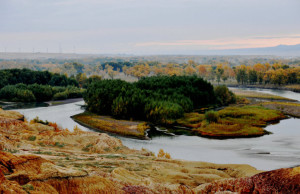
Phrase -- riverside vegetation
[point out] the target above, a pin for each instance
(172, 101)
(24, 85)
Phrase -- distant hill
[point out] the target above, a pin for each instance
(280, 50)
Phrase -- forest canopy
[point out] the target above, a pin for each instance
(157, 98)
(24, 85)
(27, 76)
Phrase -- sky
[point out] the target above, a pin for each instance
(144, 27)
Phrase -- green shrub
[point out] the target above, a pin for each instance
(224, 95)
(16, 93)
(58, 89)
(37, 120)
(211, 116)
(60, 96)
(41, 92)
(74, 92)
(60, 145)
(162, 111)
(28, 188)
(32, 138)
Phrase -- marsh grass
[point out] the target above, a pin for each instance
(289, 108)
(245, 121)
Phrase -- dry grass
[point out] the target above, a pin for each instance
(295, 87)
(104, 123)
(258, 95)
(292, 109)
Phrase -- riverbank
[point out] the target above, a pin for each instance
(259, 95)
(291, 109)
(293, 88)
(136, 129)
(24, 105)
(61, 102)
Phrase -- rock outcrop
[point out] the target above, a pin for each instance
(277, 181)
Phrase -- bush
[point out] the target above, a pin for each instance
(211, 116)
(224, 95)
(74, 92)
(37, 120)
(57, 89)
(13, 93)
(41, 92)
(32, 138)
(162, 111)
(60, 96)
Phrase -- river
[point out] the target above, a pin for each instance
(278, 150)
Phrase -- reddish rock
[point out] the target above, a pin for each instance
(2, 177)
(135, 189)
(278, 181)
(10, 163)
(286, 180)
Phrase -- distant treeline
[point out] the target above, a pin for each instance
(24, 85)
(27, 76)
(157, 99)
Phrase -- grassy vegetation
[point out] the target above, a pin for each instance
(289, 108)
(246, 121)
(104, 123)
(233, 121)
(32, 138)
(258, 95)
(191, 120)
(295, 87)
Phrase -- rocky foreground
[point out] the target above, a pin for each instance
(38, 158)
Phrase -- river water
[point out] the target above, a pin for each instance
(278, 150)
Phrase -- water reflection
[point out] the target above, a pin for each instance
(22, 105)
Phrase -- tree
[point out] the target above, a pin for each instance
(219, 72)
(81, 78)
(252, 76)
(241, 74)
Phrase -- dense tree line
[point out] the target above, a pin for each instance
(26, 76)
(157, 99)
(278, 74)
(214, 69)
(36, 92)
(26, 85)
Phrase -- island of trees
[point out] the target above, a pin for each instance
(158, 99)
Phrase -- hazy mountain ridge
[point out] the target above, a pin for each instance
(280, 50)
